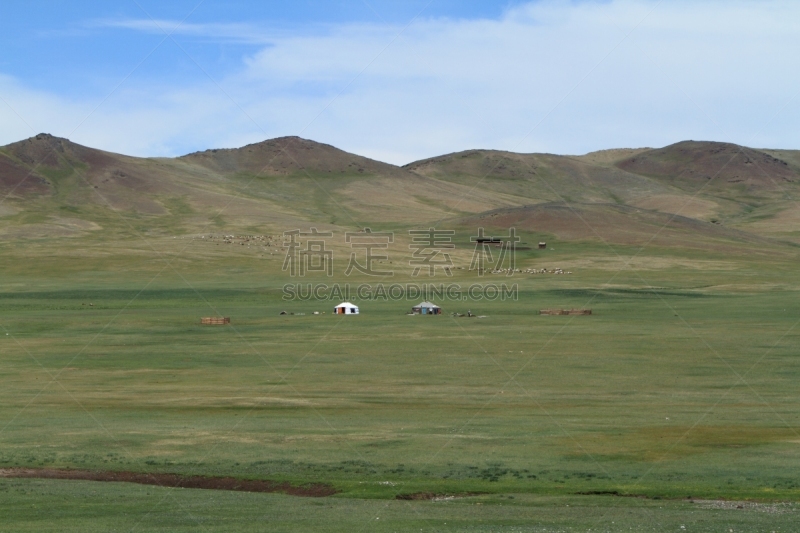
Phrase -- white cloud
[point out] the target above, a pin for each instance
(548, 76)
(230, 32)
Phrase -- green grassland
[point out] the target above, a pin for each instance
(675, 404)
(41, 505)
(682, 383)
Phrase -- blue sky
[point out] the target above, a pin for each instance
(399, 81)
(71, 47)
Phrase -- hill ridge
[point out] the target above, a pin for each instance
(286, 155)
(290, 179)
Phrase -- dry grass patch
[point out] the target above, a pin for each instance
(669, 443)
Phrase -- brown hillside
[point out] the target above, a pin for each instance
(23, 164)
(44, 149)
(20, 181)
(790, 156)
(50, 152)
(697, 162)
(610, 223)
(287, 156)
(81, 176)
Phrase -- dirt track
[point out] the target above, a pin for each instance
(174, 480)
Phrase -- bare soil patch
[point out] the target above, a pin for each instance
(314, 490)
(611, 493)
(419, 496)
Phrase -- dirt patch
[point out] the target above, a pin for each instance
(432, 496)
(612, 493)
(314, 490)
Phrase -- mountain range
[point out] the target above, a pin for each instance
(691, 191)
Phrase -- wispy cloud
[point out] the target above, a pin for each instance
(237, 33)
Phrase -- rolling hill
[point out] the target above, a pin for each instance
(54, 187)
(538, 177)
(288, 156)
(692, 165)
(719, 183)
(277, 183)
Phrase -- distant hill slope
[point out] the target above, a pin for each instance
(286, 156)
(691, 164)
(614, 224)
(279, 183)
(757, 190)
(25, 164)
(538, 177)
(610, 156)
(321, 181)
(740, 187)
(74, 175)
(52, 186)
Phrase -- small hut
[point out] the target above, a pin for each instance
(542, 245)
(426, 308)
(345, 308)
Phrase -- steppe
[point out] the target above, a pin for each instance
(674, 405)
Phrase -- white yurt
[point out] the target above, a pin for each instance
(346, 308)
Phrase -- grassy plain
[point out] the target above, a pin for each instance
(675, 405)
(683, 383)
